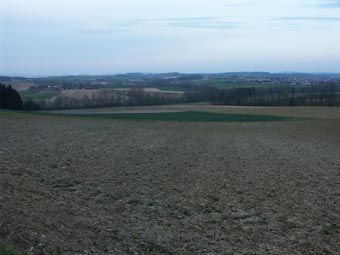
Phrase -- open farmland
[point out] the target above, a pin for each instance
(297, 112)
(73, 185)
(26, 95)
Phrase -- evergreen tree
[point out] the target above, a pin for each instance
(10, 98)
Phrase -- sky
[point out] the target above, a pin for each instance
(64, 37)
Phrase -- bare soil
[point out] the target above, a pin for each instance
(82, 186)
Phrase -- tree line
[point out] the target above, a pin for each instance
(112, 98)
(10, 99)
(323, 94)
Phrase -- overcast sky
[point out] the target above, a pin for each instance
(52, 37)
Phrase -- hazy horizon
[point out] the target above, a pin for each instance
(159, 73)
(44, 38)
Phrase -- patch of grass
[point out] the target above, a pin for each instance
(173, 88)
(187, 116)
(39, 95)
(190, 116)
(4, 250)
(16, 114)
(225, 84)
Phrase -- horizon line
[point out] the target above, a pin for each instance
(157, 73)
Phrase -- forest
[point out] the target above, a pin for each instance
(143, 90)
(323, 94)
(10, 99)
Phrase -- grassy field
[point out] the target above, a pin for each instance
(222, 84)
(295, 112)
(4, 250)
(100, 185)
(193, 116)
(186, 116)
(38, 95)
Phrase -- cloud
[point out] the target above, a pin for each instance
(102, 31)
(202, 18)
(204, 22)
(217, 24)
(310, 18)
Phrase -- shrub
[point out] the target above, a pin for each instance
(30, 105)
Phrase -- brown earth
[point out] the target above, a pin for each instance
(83, 186)
(20, 86)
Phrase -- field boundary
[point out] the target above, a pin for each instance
(185, 116)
